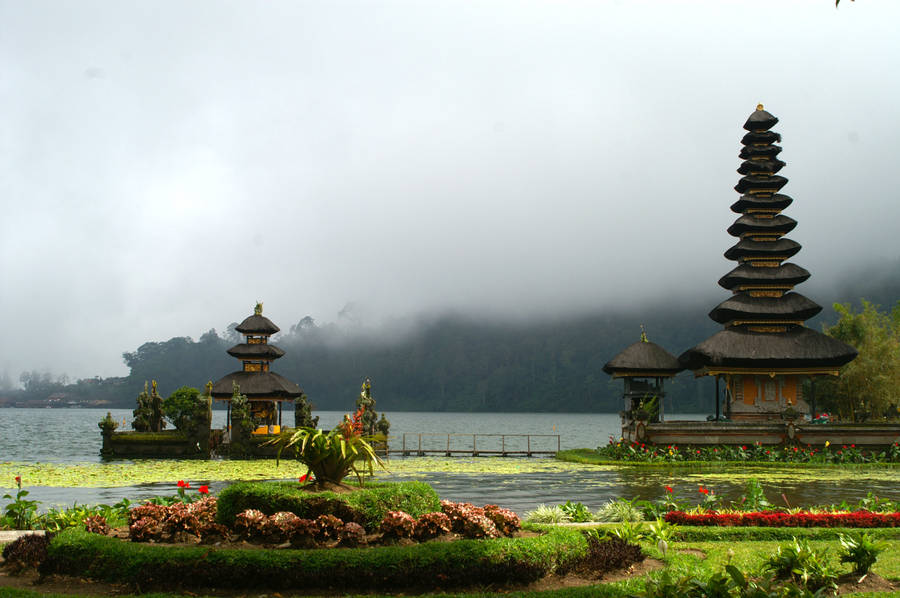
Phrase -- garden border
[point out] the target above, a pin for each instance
(430, 565)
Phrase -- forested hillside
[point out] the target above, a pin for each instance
(450, 362)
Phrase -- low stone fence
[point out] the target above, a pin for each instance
(699, 433)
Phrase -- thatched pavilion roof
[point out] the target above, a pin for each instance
(783, 248)
(256, 385)
(257, 324)
(791, 306)
(643, 357)
(745, 274)
(799, 347)
(246, 351)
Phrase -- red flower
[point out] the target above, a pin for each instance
(18, 480)
(183, 484)
(669, 489)
(852, 446)
(203, 489)
(744, 447)
(303, 478)
(703, 490)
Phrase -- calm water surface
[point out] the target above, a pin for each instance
(72, 435)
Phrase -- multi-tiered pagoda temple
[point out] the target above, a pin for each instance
(765, 351)
(265, 390)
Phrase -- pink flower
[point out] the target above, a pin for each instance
(203, 489)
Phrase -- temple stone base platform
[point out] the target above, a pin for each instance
(699, 433)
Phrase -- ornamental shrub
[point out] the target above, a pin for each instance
(432, 525)
(366, 506)
(144, 530)
(861, 551)
(26, 551)
(303, 532)
(506, 521)
(329, 527)
(351, 535)
(478, 525)
(251, 524)
(280, 526)
(397, 524)
(96, 524)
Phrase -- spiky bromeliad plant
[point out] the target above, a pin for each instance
(331, 455)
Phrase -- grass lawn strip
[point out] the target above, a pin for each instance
(747, 555)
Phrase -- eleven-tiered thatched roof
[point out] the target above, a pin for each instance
(763, 318)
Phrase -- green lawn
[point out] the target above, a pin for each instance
(747, 555)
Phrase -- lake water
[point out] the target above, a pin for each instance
(72, 436)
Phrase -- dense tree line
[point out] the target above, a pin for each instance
(451, 362)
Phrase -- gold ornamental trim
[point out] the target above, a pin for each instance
(761, 322)
(771, 372)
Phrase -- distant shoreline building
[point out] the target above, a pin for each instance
(265, 390)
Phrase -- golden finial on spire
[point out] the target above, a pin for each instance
(759, 107)
(257, 311)
(643, 335)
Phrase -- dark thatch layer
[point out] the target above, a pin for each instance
(748, 184)
(257, 324)
(776, 202)
(757, 166)
(760, 120)
(245, 351)
(799, 347)
(784, 274)
(791, 306)
(749, 223)
(748, 248)
(749, 152)
(643, 356)
(761, 137)
(256, 384)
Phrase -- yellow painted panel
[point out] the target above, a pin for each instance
(789, 390)
(750, 390)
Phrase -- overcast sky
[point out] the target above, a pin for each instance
(166, 164)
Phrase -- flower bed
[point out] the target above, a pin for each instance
(639, 452)
(780, 519)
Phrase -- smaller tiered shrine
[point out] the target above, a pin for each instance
(643, 366)
(265, 390)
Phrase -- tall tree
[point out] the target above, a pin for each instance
(870, 384)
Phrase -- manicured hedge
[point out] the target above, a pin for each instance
(778, 519)
(366, 507)
(430, 565)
